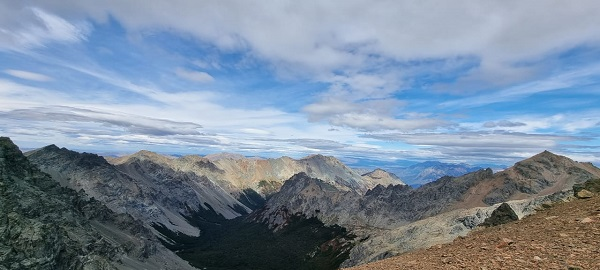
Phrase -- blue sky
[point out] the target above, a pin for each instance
(481, 82)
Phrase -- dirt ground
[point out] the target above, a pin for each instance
(564, 236)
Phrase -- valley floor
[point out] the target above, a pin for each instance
(564, 236)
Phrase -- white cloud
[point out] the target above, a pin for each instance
(27, 75)
(571, 123)
(26, 27)
(479, 140)
(255, 131)
(197, 76)
(503, 124)
(365, 52)
(571, 78)
(369, 122)
(334, 35)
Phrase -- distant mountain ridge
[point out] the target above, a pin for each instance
(428, 171)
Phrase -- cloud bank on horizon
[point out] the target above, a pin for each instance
(458, 81)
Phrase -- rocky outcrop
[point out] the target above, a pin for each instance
(501, 215)
(592, 185)
(46, 226)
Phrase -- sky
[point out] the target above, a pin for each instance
(369, 82)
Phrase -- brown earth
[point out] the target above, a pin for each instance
(564, 236)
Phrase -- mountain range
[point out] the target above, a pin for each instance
(309, 213)
(429, 171)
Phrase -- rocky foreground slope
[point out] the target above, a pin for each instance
(46, 226)
(564, 236)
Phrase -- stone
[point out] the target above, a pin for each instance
(584, 194)
(502, 215)
(586, 220)
(504, 243)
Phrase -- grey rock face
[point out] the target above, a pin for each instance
(382, 207)
(141, 186)
(46, 226)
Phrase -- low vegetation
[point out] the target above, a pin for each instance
(244, 244)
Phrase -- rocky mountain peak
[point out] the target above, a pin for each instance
(85, 160)
(546, 156)
(51, 147)
(382, 177)
(12, 161)
(322, 158)
(145, 154)
(141, 155)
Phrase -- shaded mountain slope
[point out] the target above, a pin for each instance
(46, 226)
(149, 197)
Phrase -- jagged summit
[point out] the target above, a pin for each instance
(86, 160)
(51, 147)
(141, 155)
(321, 158)
(12, 160)
(545, 155)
